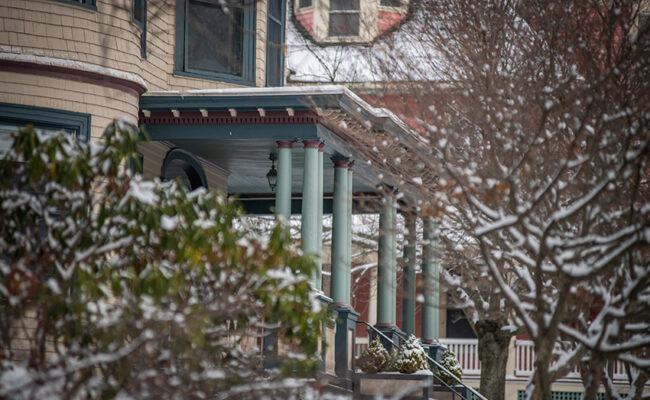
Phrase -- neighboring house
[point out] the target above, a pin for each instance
(206, 80)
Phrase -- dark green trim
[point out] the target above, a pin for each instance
(248, 67)
(239, 102)
(142, 24)
(216, 132)
(89, 4)
(47, 118)
(282, 23)
(191, 166)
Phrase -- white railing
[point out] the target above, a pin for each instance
(361, 343)
(525, 362)
(466, 351)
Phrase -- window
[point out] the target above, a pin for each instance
(84, 3)
(344, 18)
(140, 18)
(390, 3)
(275, 44)
(182, 165)
(215, 39)
(305, 3)
(458, 326)
(14, 117)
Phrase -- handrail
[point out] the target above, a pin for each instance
(477, 394)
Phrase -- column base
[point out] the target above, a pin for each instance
(391, 331)
(346, 333)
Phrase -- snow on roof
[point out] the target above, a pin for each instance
(309, 62)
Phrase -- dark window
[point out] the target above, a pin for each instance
(458, 326)
(216, 39)
(344, 18)
(391, 3)
(644, 19)
(140, 18)
(182, 165)
(304, 3)
(275, 44)
(85, 3)
(13, 117)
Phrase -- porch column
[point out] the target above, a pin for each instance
(348, 254)
(385, 282)
(283, 189)
(386, 273)
(340, 274)
(310, 202)
(408, 275)
(430, 275)
(393, 261)
(319, 221)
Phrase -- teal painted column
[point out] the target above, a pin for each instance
(283, 188)
(319, 221)
(348, 254)
(408, 275)
(310, 202)
(340, 276)
(385, 282)
(430, 275)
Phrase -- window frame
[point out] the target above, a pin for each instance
(142, 24)
(89, 4)
(248, 57)
(282, 23)
(349, 11)
(50, 118)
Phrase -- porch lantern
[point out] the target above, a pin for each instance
(272, 175)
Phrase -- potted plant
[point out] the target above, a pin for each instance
(404, 374)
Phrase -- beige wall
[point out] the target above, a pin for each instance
(107, 38)
(103, 103)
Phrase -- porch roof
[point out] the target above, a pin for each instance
(237, 129)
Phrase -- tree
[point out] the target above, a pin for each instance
(126, 287)
(532, 141)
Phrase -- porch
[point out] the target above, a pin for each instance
(291, 151)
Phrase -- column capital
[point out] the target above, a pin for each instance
(284, 144)
(341, 163)
(311, 144)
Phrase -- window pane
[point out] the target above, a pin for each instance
(391, 3)
(215, 37)
(344, 24)
(275, 8)
(139, 11)
(274, 54)
(305, 3)
(344, 4)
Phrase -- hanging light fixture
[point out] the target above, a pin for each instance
(272, 175)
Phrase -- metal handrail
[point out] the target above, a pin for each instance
(437, 364)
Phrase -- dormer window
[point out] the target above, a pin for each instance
(344, 18)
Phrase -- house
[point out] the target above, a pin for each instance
(207, 80)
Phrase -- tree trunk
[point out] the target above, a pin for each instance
(493, 345)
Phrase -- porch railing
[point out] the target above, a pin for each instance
(466, 351)
(525, 362)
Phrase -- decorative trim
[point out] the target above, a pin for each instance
(226, 118)
(284, 144)
(321, 147)
(311, 144)
(351, 165)
(340, 163)
(72, 74)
